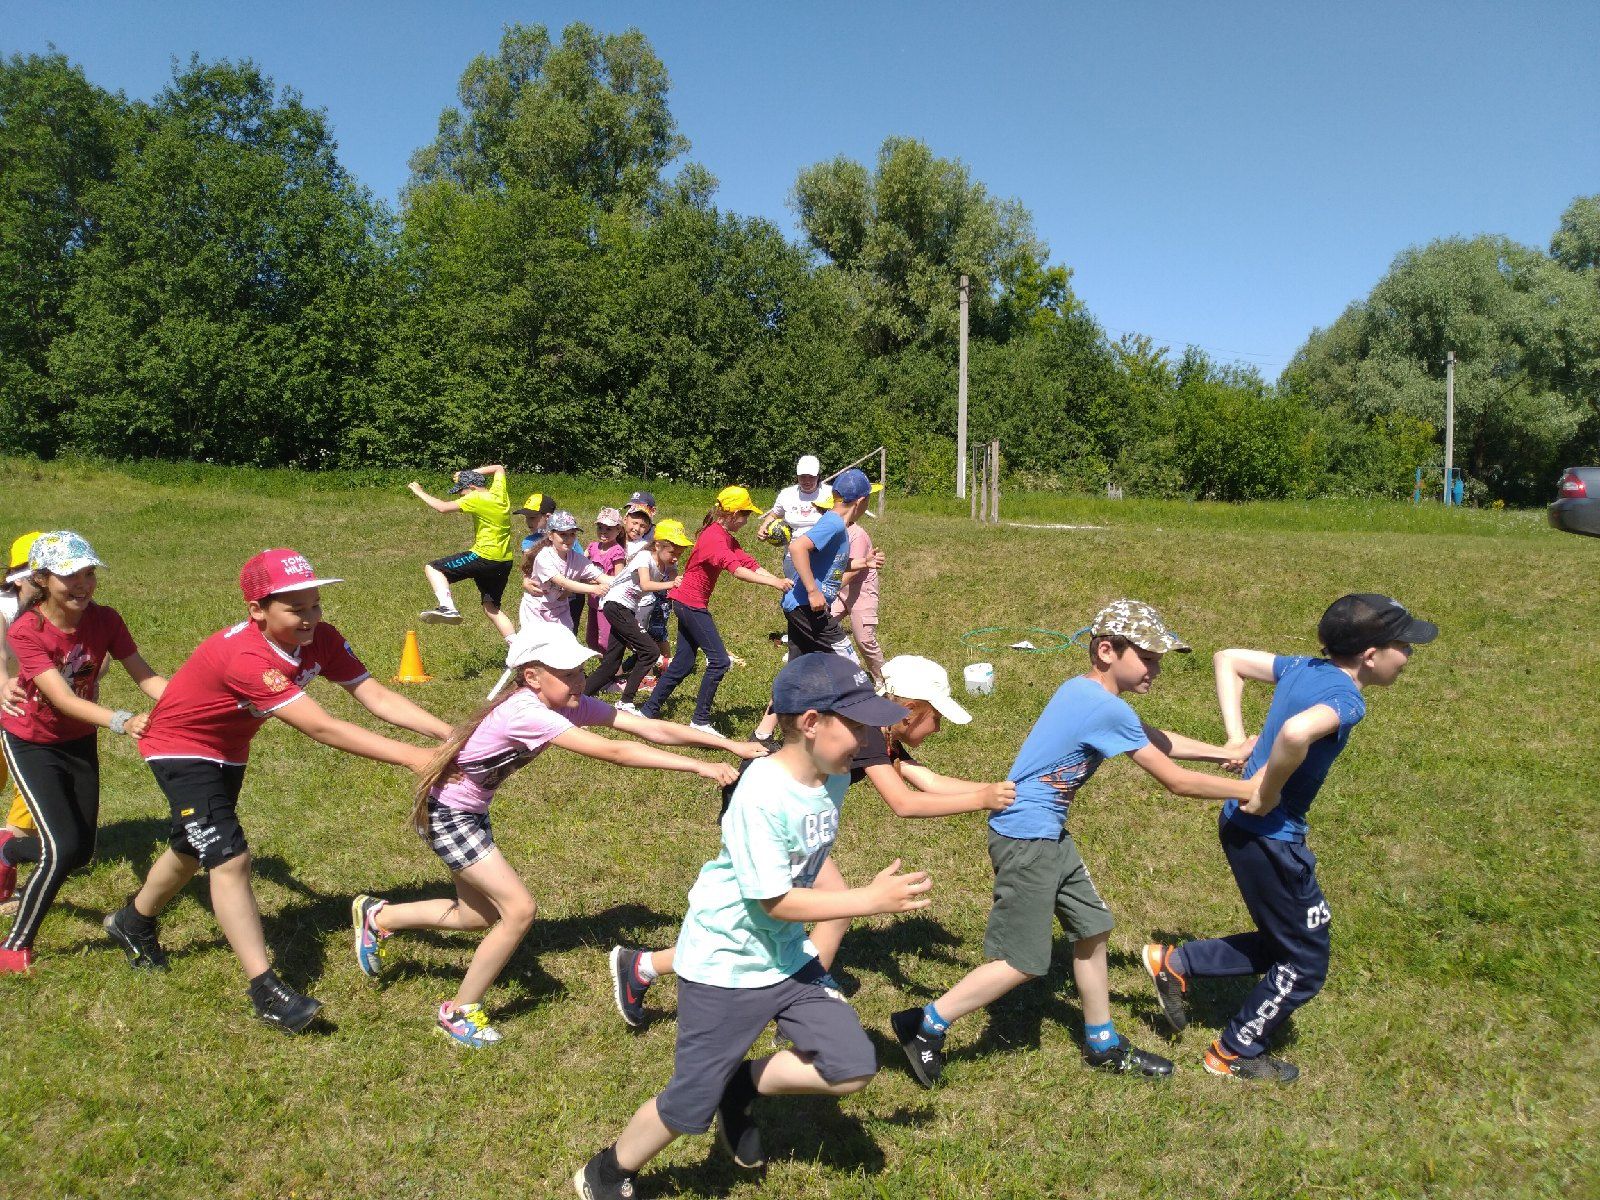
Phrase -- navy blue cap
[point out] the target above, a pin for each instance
(642, 499)
(832, 683)
(852, 485)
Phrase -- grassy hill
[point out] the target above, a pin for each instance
(1452, 1052)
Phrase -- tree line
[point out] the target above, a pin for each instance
(196, 276)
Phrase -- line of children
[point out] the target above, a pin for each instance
(198, 743)
(743, 959)
(911, 790)
(61, 641)
(488, 562)
(547, 708)
(1316, 702)
(652, 570)
(562, 576)
(715, 550)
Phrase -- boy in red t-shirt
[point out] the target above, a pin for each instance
(198, 743)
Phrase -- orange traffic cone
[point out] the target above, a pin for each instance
(411, 662)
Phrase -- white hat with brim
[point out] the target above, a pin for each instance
(552, 645)
(912, 677)
(62, 552)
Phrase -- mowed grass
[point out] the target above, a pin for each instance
(1453, 1051)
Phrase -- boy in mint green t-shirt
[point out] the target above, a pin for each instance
(743, 959)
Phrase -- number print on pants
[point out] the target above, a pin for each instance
(1318, 915)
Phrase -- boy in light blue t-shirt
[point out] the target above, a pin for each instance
(743, 959)
(1316, 702)
(1038, 873)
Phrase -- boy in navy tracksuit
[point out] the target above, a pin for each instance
(1317, 701)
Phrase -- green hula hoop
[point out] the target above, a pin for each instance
(989, 638)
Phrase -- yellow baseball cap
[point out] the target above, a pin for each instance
(734, 498)
(18, 566)
(672, 531)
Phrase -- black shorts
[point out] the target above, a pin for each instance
(204, 798)
(489, 574)
(817, 633)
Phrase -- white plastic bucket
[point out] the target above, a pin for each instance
(979, 678)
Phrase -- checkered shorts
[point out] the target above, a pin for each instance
(458, 838)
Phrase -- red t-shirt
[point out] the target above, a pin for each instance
(714, 552)
(233, 681)
(80, 656)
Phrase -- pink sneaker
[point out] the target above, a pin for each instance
(16, 962)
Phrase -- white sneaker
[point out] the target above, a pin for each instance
(711, 729)
(624, 706)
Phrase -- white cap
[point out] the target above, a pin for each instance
(912, 677)
(808, 465)
(546, 642)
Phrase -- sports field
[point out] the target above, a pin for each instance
(1453, 1052)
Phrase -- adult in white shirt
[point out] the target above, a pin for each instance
(803, 502)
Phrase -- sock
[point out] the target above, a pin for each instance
(137, 921)
(262, 982)
(741, 1089)
(441, 593)
(1177, 964)
(611, 1171)
(1101, 1037)
(932, 1022)
(644, 969)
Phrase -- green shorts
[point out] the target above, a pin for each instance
(1034, 880)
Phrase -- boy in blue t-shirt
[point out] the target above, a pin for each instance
(1316, 703)
(743, 958)
(1038, 874)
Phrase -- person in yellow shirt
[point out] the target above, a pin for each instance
(15, 592)
(488, 562)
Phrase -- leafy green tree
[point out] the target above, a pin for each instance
(58, 136)
(225, 310)
(903, 233)
(588, 116)
(1576, 243)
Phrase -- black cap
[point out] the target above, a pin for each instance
(642, 500)
(832, 683)
(1365, 619)
(545, 505)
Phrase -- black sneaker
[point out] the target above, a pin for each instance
(626, 988)
(736, 1128)
(1170, 986)
(1263, 1068)
(591, 1182)
(276, 1003)
(1127, 1059)
(924, 1050)
(140, 945)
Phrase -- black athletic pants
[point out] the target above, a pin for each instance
(626, 634)
(60, 784)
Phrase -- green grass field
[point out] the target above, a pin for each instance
(1452, 1053)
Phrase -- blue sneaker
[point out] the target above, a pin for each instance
(370, 948)
(468, 1025)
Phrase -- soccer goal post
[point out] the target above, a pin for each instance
(882, 455)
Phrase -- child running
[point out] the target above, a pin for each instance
(608, 552)
(61, 641)
(921, 687)
(1037, 870)
(488, 562)
(742, 954)
(548, 708)
(651, 570)
(1316, 702)
(16, 593)
(715, 551)
(199, 742)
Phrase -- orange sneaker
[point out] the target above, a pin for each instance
(1261, 1068)
(1170, 986)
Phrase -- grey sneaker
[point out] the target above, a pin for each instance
(1263, 1068)
(1170, 986)
(440, 616)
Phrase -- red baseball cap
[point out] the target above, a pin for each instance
(274, 571)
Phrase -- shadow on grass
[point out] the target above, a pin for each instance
(802, 1128)
(881, 949)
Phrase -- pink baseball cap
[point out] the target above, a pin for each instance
(274, 571)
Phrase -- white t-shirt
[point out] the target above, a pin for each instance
(626, 590)
(800, 508)
(555, 604)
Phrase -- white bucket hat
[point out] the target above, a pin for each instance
(912, 677)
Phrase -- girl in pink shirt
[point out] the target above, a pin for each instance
(608, 552)
(548, 708)
(858, 599)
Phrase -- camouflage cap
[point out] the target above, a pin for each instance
(1138, 623)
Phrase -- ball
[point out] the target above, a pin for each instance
(778, 533)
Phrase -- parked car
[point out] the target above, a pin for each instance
(1578, 510)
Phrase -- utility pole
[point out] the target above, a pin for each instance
(1449, 426)
(961, 402)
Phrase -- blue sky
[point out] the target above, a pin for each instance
(1224, 174)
